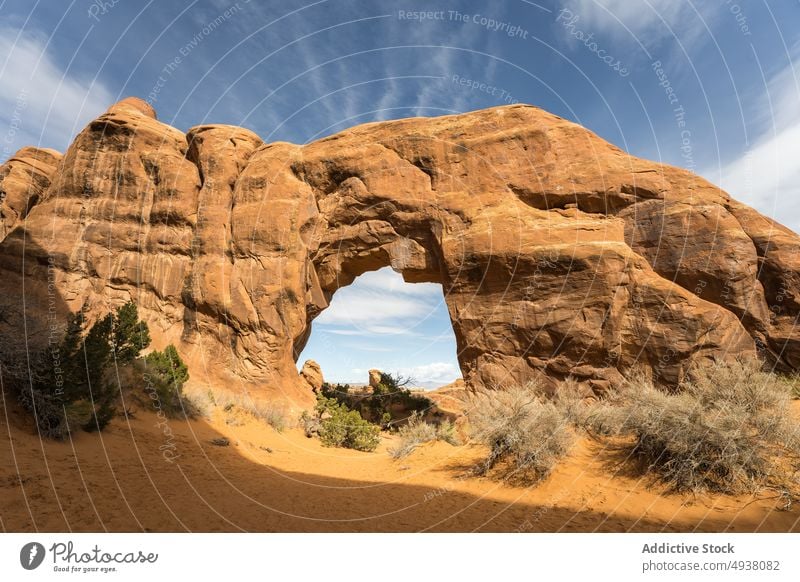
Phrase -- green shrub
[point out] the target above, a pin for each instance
(727, 430)
(166, 375)
(416, 432)
(390, 398)
(526, 434)
(342, 427)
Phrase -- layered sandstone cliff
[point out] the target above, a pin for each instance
(559, 253)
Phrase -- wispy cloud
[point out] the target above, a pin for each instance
(646, 22)
(445, 51)
(767, 175)
(370, 328)
(43, 103)
(639, 17)
(434, 373)
(382, 303)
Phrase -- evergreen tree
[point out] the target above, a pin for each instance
(130, 334)
(69, 386)
(97, 353)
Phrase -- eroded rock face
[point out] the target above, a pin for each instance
(559, 254)
(374, 378)
(312, 374)
(23, 180)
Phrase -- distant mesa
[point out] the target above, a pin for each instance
(560, 255)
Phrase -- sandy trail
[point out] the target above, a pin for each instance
(119, 480)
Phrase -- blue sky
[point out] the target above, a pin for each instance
(708, 85)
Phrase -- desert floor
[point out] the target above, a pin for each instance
(119, 480)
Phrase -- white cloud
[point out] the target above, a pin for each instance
(426, 375)
(433, 373)
(441, 56)
(647, 21)
(380, 302)
(767, 175)
(369, 328)
(386, 280)
(638, 16)
(780, 103)
(41, 103)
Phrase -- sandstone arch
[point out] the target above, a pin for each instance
(559, 254)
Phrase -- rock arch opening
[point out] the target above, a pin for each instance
(381, 321)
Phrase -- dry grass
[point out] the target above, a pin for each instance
(793, 385)
(727, 430)
(416, 432)
(205, 402)
(526, 433)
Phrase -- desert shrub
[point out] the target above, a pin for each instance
(196, 405)
(573, 402)
(166, 374)
(102, 393)
(416, 432)
(525, 432)
(54, 416)
(310, 424)
(342, 427)
(271, 413)
(792, 384)
(727, 429)
(390, 400)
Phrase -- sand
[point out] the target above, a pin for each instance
(121, 480)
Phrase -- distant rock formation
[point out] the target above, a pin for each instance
(559, 253)
(312, 374)
(374, 378)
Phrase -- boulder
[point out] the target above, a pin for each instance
(312, 374)
(374, 378)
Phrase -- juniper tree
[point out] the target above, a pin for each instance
(130, 335)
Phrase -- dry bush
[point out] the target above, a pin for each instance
(526, 433)
(577, 404)
(728, 428)
(310, 424)
(271, 413)
(200, 406)
(416, 432)
(792, 385)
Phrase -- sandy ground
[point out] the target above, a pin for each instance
(120, 480)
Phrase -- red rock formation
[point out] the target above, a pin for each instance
(559, 253)
(23, 180)
(312, 374)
